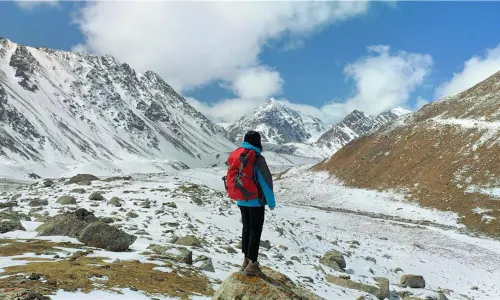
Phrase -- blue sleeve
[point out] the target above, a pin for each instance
(268, 192)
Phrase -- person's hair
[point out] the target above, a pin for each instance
(253, 138)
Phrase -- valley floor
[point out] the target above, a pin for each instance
(377, 232)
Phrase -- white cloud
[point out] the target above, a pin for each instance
(253, 86)
(383, 80)
(30, 5)
(257, 83)
(420, 102)
(194, 43)
(475, 70)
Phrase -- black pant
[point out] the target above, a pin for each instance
(253, 220)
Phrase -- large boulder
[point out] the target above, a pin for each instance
(102, 235)
(204, 263)
(82, 178)
(412, 281)
(96, 196)
(10, 221)
(334, 259)
(381, 291)
(272, 286)
(67, 224)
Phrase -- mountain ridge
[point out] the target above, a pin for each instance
(66, 107)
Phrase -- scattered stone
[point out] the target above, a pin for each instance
(48, 183)
(102, 235)
(355, 243)
(265, 244)
(146, 204)
(412, 281)
(142, 232)
(283, 247)
(15, 197)
(115, 201)
(96, 196)
(66, 200)
(345, 276)
(272, 285)
(398, 269)
(229, 249)
(78, 191)
(10, 221)
(295, 258)
(133, 289)
(188, 240)
(387, 256)
(205, 263)
(319, 238)
(8, 204)
(132, 214)
(372, 259)
(441, 296)
(178, 254)
(108, 220)
(82, 178)
(381, 291)
(67, 224)
(38, 202)
(474, 288)
(34, 276)
(172, 205)
(334, 259)
(289, 263)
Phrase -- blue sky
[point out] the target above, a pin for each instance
(305, 65)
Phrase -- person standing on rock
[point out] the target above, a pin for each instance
(249, 182)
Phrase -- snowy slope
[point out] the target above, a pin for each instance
(314, 215)
(61, 108)
(278, 124)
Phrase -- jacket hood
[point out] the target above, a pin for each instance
(250, 147)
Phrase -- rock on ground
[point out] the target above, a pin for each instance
(189, 240)
(178, 254)
(334, 259)
(381, 292)
(115, 201)
(66, 200)
(272, 286)
(102, 235)
(21, 294)
(67, 224)
(10, 221)
(82, 178)
(204, 263)
(96, 196)
(412, 281)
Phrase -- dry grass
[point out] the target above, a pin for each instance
(425, 161)
(10, 247)
(80, 274)
(30, 258)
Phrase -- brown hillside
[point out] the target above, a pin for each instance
(447, 156)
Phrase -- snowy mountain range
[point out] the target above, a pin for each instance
(62, 108)
(278, 124)
(354, 125)
(291, 132)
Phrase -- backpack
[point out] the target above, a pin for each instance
(241, 179)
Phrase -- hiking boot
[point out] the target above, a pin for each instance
(245, 264)
(253, 269)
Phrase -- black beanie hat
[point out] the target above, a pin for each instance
(253, 138)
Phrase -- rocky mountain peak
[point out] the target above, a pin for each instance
(278, 124)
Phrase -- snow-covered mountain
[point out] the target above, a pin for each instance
(62, 108)
(354, 125)
(278, 124)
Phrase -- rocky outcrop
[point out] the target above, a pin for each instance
(381, 291)
(66, 200)
(178, 254)
(189, 240)
(82, 178)
(68, 224)
(272, 286)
